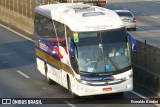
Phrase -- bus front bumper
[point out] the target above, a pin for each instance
(86, 90)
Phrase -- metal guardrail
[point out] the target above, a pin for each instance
(146, 64)
(147, 57)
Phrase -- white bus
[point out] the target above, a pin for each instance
(84, 48)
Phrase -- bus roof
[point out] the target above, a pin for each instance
(81, 17)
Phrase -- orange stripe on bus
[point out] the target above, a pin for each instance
(54, 61)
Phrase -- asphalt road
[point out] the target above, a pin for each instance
(147, 13)
(19, 77)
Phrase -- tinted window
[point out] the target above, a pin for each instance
(96, 50)
(60, 30)
(111, 36)
(44, 27)
(128, 14)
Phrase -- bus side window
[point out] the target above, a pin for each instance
(60, 30)
(37, 24)
(49, 31)
(45, 28)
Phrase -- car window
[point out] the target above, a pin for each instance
(128, 14)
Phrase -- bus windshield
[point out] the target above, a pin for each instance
(103, 51)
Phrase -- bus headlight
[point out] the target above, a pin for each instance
(128, 77)
(78, 78)
(83, 81)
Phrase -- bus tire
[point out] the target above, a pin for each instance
(49, 81)
(70, 88)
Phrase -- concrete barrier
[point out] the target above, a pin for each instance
(18, 13)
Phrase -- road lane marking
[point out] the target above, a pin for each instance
(125, 8)
(140, 28)
(70, 104)
(138, 94)
(154, 17)
(16, 32)
(24, 75)
(116, 5)
(143, 14)
(134, 11)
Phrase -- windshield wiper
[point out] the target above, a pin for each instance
(96, 65)
(113, 63)
(100, 57)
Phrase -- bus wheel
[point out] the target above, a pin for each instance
(49, 81)
(70, 88)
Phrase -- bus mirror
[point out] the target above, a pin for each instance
(133, 42)
(71, 47)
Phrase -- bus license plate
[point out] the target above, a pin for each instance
(107, 89)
